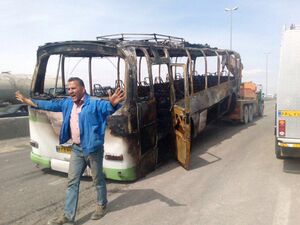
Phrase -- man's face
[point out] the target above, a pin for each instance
(76, 91)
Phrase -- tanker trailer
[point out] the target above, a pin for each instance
(10, 83)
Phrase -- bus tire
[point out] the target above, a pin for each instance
(246, 114)
(232, 103)
(250, 111)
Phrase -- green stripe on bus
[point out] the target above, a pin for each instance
(40, 160)
(121, 174)
(114, 174)
(41, 119)
(32, 118)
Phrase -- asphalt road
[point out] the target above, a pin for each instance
(32, 195)
(234, 179)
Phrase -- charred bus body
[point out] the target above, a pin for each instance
(167, 99)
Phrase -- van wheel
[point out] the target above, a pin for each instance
(246, 114)
(250, 108)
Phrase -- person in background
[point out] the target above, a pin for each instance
(84, 122)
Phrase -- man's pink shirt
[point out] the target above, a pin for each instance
(74, 122)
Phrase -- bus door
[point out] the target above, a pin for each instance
(146, 118)
(181, 118)
(146, 115)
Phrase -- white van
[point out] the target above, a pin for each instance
(287, 119)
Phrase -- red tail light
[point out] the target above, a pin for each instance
(281, 127)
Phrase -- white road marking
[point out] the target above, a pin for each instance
(56, 182)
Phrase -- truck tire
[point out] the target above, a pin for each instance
(246, 114)
(250, 111)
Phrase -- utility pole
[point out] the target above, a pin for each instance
(267, 62)
(231, 11)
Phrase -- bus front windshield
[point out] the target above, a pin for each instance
(100, 74)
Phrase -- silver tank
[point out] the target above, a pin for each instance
(10, 83)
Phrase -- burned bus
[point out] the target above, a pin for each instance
(173, 90)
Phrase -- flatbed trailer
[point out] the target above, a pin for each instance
(250, 104)
(246, 110)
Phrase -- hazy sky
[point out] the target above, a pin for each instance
(257, 27)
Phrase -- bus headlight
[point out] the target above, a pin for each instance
(34, 144)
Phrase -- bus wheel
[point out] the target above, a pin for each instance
(246, 114)
(232, 103)
(250, 109)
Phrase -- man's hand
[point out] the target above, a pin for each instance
(25, 100)
(117, 97)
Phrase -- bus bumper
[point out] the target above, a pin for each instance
(40, 160)
(128, 174)
(120, 174)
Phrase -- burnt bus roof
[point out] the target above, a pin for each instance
(176, 46)
(78, 48)
(112, 46)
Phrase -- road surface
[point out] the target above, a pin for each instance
(234, 179)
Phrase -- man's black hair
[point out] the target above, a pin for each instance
(80, 82)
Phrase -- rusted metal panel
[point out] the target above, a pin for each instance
(182, 130)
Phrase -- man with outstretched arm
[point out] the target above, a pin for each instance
(84, 122)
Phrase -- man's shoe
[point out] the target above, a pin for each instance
(99, 212)
(60, 221)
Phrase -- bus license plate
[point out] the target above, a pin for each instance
(64, 149)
